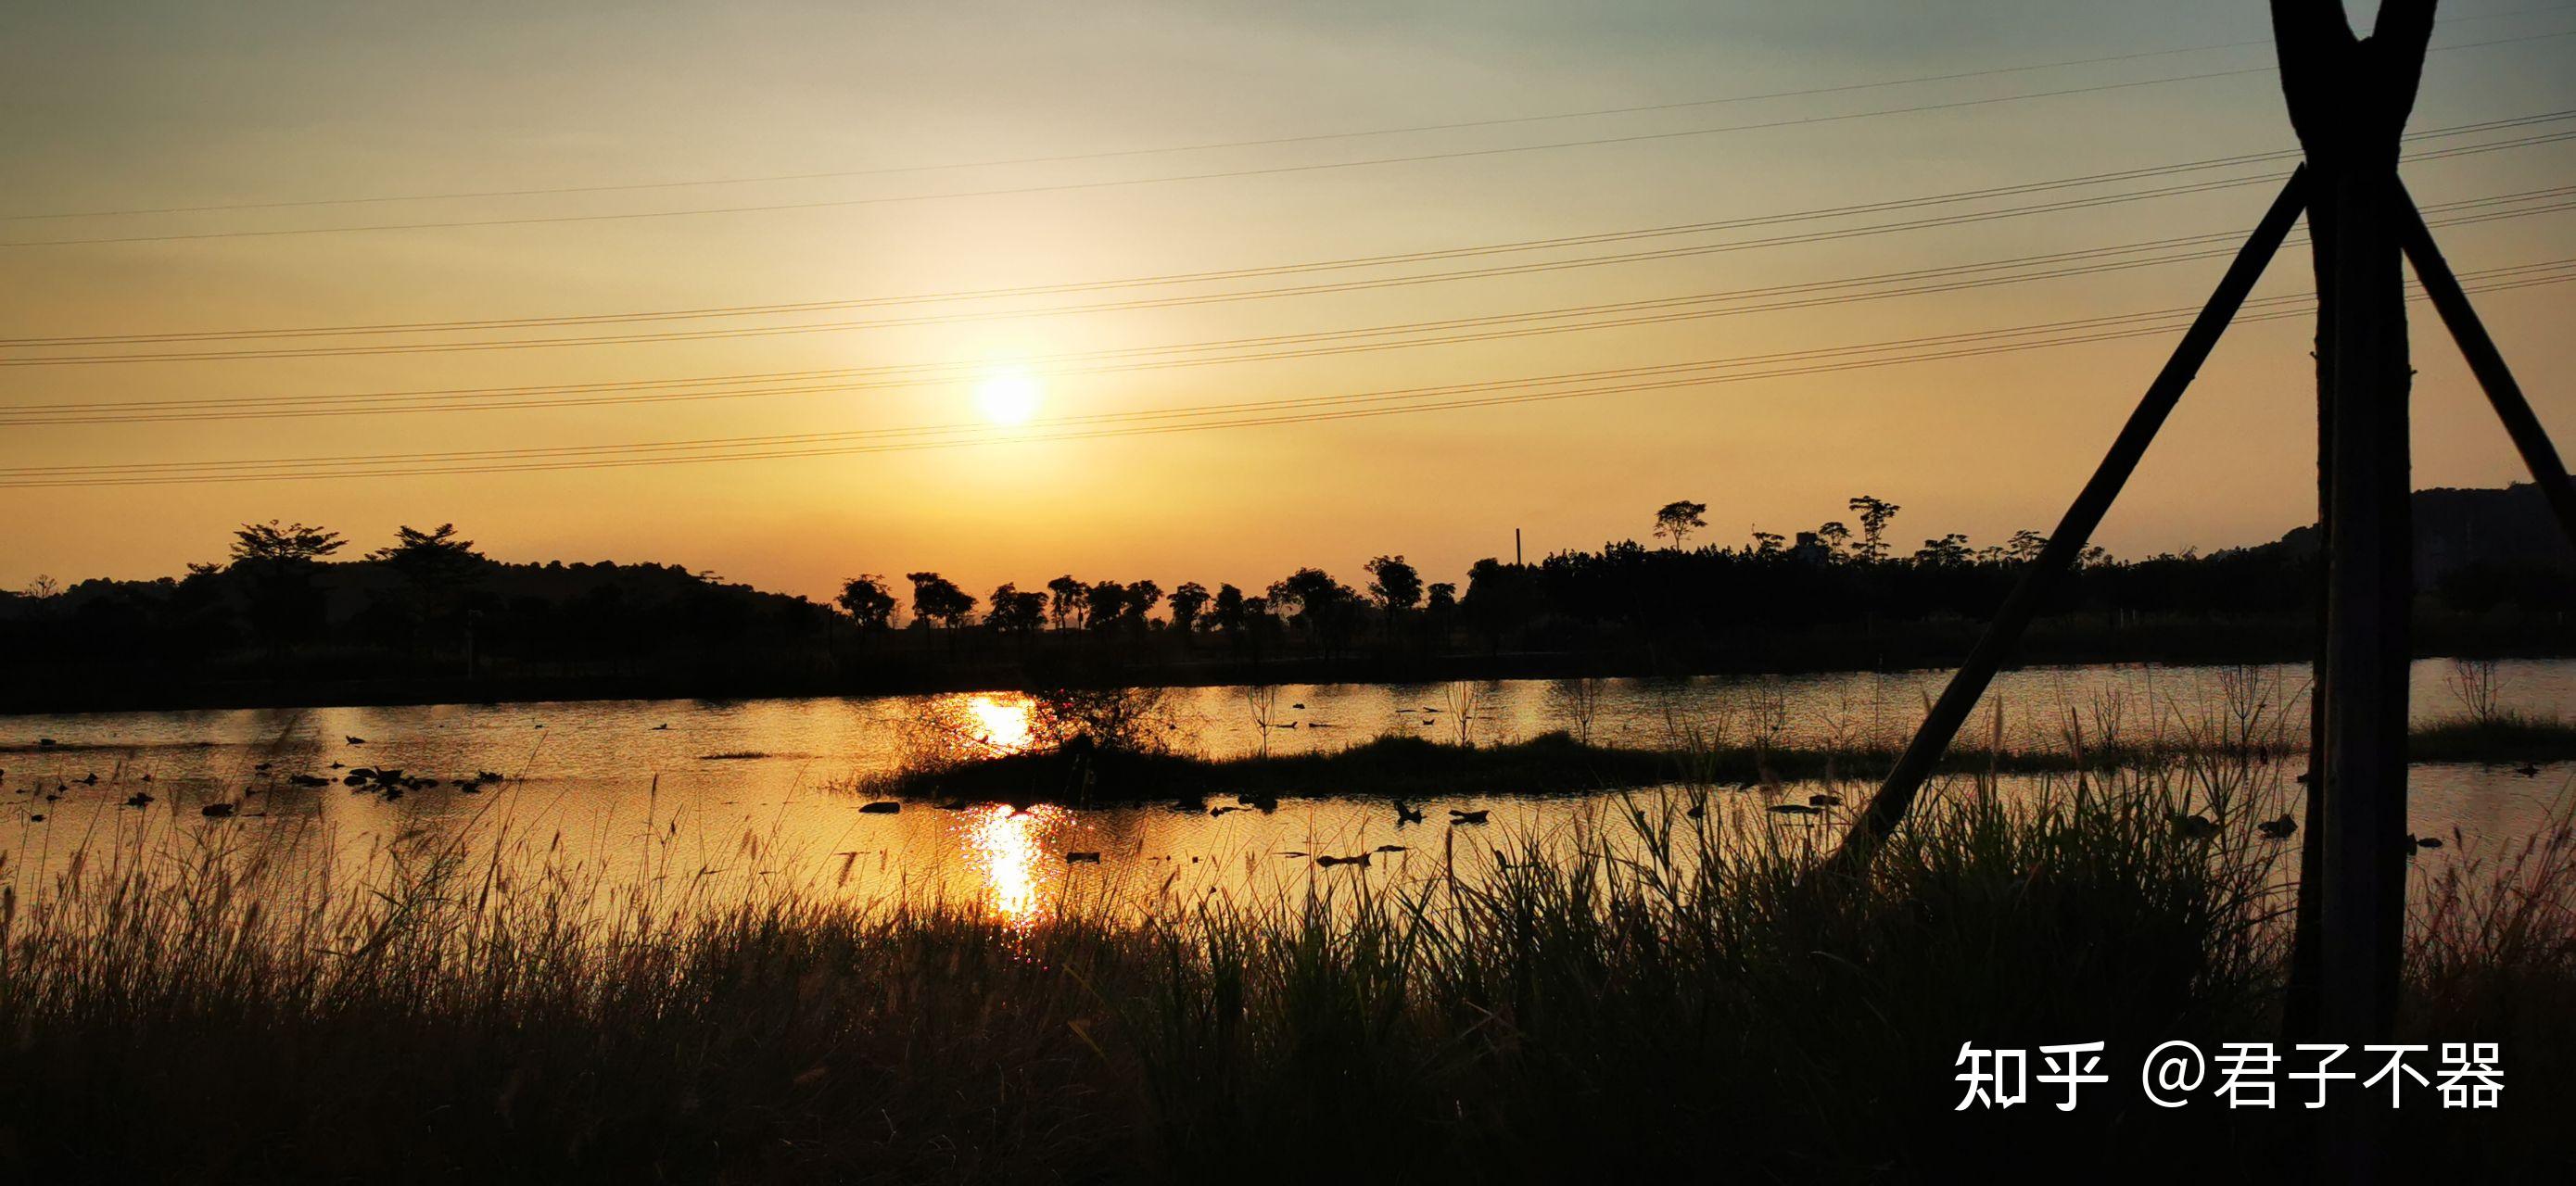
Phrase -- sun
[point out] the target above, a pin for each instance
(1009, 399)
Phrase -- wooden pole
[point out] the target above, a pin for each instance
(2487, 363)
(1895, 797)
(2349, 100)
(2299, 1008)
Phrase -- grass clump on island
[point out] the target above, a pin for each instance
(1558, 763)
(2500, 736)
(1400, 765)
(1685, 998)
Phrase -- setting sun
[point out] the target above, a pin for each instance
(1009, 398)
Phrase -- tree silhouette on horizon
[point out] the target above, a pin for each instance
(1678, 519)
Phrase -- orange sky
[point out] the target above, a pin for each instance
(152, 106)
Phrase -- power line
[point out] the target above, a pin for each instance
(1261, 171)
(1195, 299)
(1488, 327)
(1129, 305)
(1145, 423)
(1273, 141)
(1335, 264)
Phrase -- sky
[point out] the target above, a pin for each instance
(188, 169)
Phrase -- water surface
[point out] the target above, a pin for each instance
(648, 791)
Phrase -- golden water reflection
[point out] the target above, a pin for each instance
(968, 727)
(1004, 722)
(1007, 849)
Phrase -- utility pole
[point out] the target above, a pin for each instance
(2349, 99)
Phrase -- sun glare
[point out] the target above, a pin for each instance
(1008, 849)
(1005, 725)
(1009, 399)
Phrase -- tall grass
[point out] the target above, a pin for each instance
(1646, 993)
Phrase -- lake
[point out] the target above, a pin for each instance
(642, 792)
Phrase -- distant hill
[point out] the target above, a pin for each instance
(2458, 531)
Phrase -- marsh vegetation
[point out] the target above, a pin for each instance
(1649, 994)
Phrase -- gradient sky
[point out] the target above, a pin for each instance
(149, 105)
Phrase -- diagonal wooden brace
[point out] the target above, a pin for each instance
(2487, 363)
(1887, 808)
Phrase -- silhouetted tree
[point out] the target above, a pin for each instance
(1834, 536)
(290, 543)
(1678, 519)
(277, 561)
(1767, 543)
(1103, 605)
(867, 600)
(1065, 599)
(1311, 597)
(1875, 515)
(1142, 597)
(1500, 598)
(936, 598)
(1443, 602)
(1260, 625)
(1187, 601)
(1015, 612)
(1226, 613)
(434, 562)
(437, 565)
(1395, 585)
(430, 558)
(2025, 545)
(1949, 549)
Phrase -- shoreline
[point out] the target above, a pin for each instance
(33, 692)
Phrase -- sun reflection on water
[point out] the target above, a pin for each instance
(1004, 723)
(968, 727)
(1007, 850)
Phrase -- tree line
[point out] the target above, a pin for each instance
(287, 602)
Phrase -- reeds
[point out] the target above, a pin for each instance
(1639, 992)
